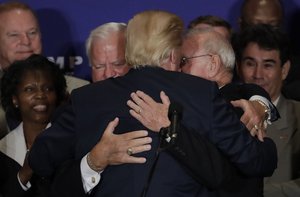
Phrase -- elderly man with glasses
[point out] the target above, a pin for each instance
(209, 55)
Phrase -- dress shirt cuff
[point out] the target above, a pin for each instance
(24, 187)
(90, 178)
(267, 103)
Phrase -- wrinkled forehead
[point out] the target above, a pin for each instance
(196, 42)
(189, 44)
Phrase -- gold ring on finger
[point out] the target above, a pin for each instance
(129, 151)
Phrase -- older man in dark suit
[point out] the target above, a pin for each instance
(209, 55)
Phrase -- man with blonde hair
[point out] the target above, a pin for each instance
(20, 37)
(154, 40)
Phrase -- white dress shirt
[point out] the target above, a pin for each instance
(14, 146)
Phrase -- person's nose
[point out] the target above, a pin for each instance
(258, 72)
(40, 94)
(25, 39)
(109, 72)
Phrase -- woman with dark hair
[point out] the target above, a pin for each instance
(31, 90)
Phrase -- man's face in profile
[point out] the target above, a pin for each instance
(197, 60)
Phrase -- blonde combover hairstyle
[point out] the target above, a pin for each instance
(151, 36)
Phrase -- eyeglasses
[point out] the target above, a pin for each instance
(184, 60)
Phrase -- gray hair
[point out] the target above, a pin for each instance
(215, 43)
(102, 32)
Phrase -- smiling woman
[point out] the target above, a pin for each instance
(31, 90)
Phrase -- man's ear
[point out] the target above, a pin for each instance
(174, 59)
(174, 56)
(169, 62)
(214, 67)
(285, 69)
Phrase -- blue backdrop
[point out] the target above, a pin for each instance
(65, 24)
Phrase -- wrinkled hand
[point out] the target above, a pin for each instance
(112, 148)
(151, 114)
(253, 117)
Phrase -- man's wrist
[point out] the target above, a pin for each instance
(92, 165)
(267, 105)
(266, 109)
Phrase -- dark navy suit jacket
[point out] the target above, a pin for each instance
(217, 172)
(10, 186)
(80, 127)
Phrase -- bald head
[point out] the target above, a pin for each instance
(261, 12)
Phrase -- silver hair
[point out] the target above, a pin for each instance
(102, 32)
(216, 44)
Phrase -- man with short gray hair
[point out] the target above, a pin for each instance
(105, 48)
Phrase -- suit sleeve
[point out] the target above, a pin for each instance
(55, 145)
(67, 180)
(12, 187)
(9, 185)
(202, 160)
(246, 91)
(249, 155)
(249, 90)
(199, 152)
